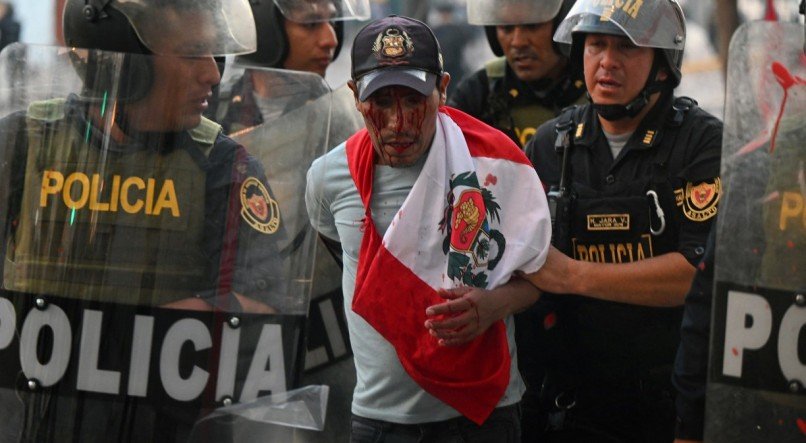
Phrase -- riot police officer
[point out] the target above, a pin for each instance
(294, 35)
(529, 82)
(634, 177)
(123, 200)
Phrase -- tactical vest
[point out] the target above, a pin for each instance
(621, 226)
(96, 223)
(520, 121)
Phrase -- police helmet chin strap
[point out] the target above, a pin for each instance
(636, 105)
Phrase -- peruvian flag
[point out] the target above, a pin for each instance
(476, 214)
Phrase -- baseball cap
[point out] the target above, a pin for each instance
(395, 51)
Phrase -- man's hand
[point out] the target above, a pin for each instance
(466, 315)
(470, 311)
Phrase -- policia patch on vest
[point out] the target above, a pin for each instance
(258, 208)
(699, 201)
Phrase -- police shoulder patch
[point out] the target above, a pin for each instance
(258, 208)
(699, 201)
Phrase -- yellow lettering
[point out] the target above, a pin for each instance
(582, 252)
(613, 257)
(594, 254)
(525, 135)
(124, 195)
(150, 196)
(640, 251)
(633, 10)
(167, 199)
(791, 206)
(68, 190)
(52, 182)
(95, 193)
(629, 252)
(113, 199)
(622, 251)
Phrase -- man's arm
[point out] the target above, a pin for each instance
(470, 311)
(660, 281)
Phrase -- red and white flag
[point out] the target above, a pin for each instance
(476, 213)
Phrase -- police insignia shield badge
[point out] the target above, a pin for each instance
(393, 43)
(258, 208)
(699, 202)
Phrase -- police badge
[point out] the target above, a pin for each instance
(258, 208)
(393, 43)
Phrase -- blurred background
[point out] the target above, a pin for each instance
(710, 25)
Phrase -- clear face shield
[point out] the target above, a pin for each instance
(511, 12)
(220, 27)
(316, 11)
(648, 24)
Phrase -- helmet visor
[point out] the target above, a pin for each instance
(511, 12)
(315, 11)
(657, 24)
(219, 27)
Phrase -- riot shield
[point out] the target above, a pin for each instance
(328, 348)
(757, 369)
(155, 276)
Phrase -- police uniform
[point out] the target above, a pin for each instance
(610, 374)
(691, 362)
(154, 237)
(496, 96)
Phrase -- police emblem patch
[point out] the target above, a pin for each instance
(393, 43)
(699, 202)
(258, 209)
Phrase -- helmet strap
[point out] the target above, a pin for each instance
(636, 105)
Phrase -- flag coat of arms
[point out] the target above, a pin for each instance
(476, 213)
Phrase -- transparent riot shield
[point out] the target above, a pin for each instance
(328, 348)
(155, 275)
(757, 368)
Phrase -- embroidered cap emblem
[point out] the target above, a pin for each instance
(393, 43)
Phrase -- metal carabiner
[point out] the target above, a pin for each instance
(659, 212)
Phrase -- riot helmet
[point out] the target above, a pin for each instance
(492, 13)
(138, 26)
(272, 40)
(659, 25)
